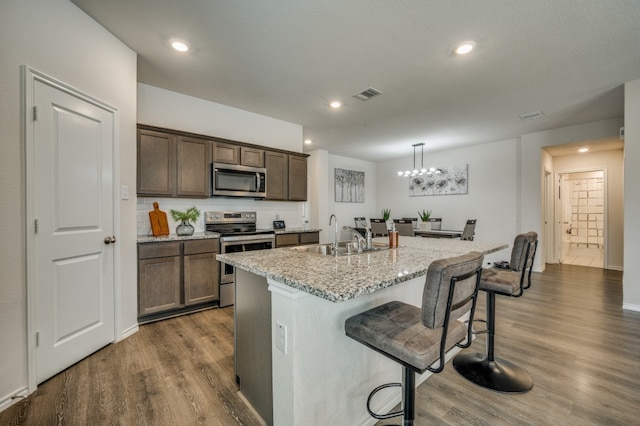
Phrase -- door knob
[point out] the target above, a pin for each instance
(109, 240)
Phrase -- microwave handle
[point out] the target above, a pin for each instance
(258, 180)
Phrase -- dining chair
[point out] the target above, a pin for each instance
(378, 227)
(414, 221)
(469, 230)
(404, 227)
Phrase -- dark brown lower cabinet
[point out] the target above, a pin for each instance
(297, 239)
(176, 277)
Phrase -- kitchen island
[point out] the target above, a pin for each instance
(317, 374)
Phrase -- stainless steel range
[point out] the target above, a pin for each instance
(237, 233)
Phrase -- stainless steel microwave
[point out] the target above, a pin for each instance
(229, 180)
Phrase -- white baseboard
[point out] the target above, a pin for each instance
(630, 307)
(8, 400)
(128, 332)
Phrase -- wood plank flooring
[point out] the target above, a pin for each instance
(569, 331)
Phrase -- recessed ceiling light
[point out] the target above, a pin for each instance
(465, 47)
(335, 104)
(307, 141)
(180, 45)
(583, 149)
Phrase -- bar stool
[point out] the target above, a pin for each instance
(418, 337)
(485, 369)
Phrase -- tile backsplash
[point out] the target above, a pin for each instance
(292, 212)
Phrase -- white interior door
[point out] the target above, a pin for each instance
(73, 209)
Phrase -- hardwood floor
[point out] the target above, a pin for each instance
(569, 331)
(173, 372)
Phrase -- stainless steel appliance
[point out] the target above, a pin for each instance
(229, 180)
(237, 233)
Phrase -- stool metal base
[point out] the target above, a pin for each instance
(499, 374)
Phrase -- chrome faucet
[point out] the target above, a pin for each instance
(335, 233)
(362, 243)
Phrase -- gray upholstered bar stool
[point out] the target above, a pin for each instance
(418, 337)
(485, 369)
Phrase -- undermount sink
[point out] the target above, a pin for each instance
(326, 249)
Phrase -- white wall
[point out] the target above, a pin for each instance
(612, 161)
(318, 190)
(346, 212)
(172, 110)
(492, 198)
(631, 277)
(164, 108)
(56, 38)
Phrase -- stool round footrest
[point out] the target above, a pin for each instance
(499, 374)
(383, 416)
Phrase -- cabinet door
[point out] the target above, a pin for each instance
(309, 238)
(156, 163)
(287, 240)
(277, 172)
(192, 166)
(226, 153)
(251, 157)
(200, 278)
(158, 285)
(297, 178)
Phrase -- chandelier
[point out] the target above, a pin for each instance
(422, 171)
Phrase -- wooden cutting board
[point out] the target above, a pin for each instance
(159, 224)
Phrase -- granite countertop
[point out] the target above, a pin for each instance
(345, 277)
(173, 237)
(295, 230)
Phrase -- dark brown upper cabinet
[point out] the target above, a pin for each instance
(172, 165)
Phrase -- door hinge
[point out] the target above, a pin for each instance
(35, 113)
(37, 338)
(35, 225)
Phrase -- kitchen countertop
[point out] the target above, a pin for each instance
(173, 237)
(345, 277)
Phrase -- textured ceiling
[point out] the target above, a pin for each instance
(288, 58)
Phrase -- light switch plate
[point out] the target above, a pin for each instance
(124, 192)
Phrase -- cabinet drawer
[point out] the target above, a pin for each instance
(150, 250)
(309, 238)
(285, 240)
(201, 246)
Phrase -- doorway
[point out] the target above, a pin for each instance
(582, 202)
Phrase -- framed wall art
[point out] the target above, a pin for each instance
(450, 180)
(349, 186)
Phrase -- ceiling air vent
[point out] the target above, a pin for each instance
(367, 94)
(532, 115)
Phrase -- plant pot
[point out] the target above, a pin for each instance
(424, 226)
(185, 228)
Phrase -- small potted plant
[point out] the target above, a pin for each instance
(190, 215)
(386, 214)
(424, 220)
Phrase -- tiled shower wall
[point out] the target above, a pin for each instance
(587, 212)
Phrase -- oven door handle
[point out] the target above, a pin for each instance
(242, 242)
